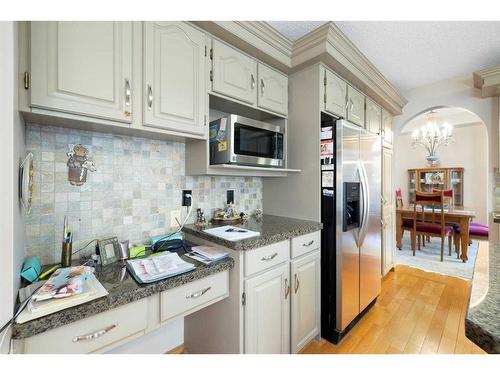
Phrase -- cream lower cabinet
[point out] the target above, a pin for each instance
(305, 301)
(388, 212)
(274, 301)
(82, 68)
(175, 93)
(267, 312)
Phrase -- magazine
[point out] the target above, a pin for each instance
(64, 282)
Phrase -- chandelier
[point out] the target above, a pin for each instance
(431, 137)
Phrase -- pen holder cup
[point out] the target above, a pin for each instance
(67, 248)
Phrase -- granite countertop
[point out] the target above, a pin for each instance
(272, 229)
(122, 289)
(482, 323)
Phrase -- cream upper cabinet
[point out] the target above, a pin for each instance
(373, 116)
(355, 106)
(334, 96)
(388, 212)
(305, 302)
(387, 128)
(273, 90)
(83, 68)
(233, 73)
(174, 88)
(267, 312)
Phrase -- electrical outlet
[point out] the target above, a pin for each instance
(173, 215)
(229, 196)
(185, 200)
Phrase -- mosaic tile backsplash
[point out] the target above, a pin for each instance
(137, 185)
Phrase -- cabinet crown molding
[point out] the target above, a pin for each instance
(488, 81)
(327, 44)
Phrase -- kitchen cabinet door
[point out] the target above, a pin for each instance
(83, 68)
(387, 128)
(234, 74)
(388, 212)
(174, 77)
(335, 94)
(387, 243)
(373, 116)
(267, 312)
(273, 90)
(305, 306)
(355, 106)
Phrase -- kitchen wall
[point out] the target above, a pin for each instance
(470, 151)
(132, 195)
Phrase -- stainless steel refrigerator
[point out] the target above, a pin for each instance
(351, 216)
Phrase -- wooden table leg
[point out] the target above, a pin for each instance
(464, 237)
(399, 230)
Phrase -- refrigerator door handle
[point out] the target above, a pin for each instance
(365, 195)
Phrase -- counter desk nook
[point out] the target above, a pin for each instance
(263, 298)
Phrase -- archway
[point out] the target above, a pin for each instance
(464, 163)
(469, 151)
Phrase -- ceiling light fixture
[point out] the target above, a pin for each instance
(431, 137)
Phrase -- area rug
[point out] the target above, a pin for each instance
(428, 258)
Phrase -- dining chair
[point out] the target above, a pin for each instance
(477, 231)
(432, 227)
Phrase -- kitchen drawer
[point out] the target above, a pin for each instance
(266, 257)
(194, 296)
(306, 243)
(108, 327)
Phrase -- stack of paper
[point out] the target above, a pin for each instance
(67, 287)
(206, 254)
(148, 270)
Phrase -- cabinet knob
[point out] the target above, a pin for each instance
(262, 87)
(252, 81)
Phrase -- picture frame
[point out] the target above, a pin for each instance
(109, 250)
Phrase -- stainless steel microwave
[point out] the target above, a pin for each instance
(239, 140)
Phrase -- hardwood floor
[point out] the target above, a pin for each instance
(417, 312)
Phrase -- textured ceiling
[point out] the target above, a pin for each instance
(293, 30)
(413, 54)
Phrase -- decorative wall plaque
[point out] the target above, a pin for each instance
(78, 165)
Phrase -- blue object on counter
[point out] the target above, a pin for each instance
(31, 269)
(174, 236)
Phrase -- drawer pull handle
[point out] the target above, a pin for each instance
(270, 257)
(199, 293)
(128, 92)
(96, 334)
(308, 244)
(297, 283)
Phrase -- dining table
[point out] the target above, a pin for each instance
(452, 215)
